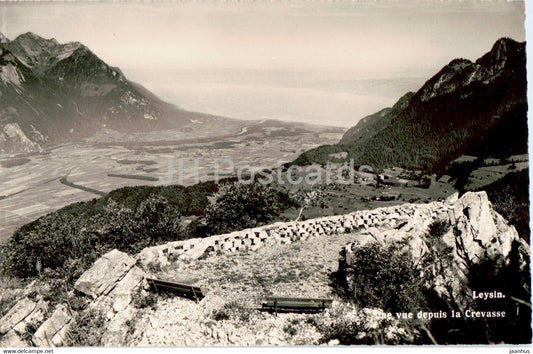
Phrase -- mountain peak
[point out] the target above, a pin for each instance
(504, 50)
(505, 42)
(39, 53)
(505, 53)
(33, 39)
(29, 35)
(63, 92)
(3, 39)
(467, 108)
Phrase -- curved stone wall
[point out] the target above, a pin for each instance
(288, 232)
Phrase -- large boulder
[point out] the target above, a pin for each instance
(16, 314)
(35, 317)
(53, 331)
(12, 340)
(104, 274)
(480, 233)
(121, 295)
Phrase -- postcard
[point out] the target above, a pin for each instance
(264, 173)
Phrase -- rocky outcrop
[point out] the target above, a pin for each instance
(16, 315)
(121, 295)
(25, 314)
(111, 282)
(481, 233)
(475, 234)
(35, 317)
(104, 274)
(476, 231)
(113, 290)
(52, 332)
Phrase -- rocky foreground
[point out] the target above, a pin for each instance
(112, 305)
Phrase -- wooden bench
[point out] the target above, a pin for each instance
(184, 290)
(294, 304)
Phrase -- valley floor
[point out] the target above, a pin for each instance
(31, 187)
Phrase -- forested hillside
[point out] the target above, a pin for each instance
(477, 108)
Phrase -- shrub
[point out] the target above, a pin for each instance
(348, 333)
(220, 315)
(438, 228)
(384, 277)
(78, 303)
(239, 206)
(87, 330)
(143, 300)
(312, 321)
(10, 283)
(366, 330)
(57, 288)
(154, 267)
(130, 325)
(196, 229)
(230, 310)
(290, 330)
(29, 331)
(190, 200)
(60, 241)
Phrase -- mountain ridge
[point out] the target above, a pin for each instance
(54, 93)
(461, 109)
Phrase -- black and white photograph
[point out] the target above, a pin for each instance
(269, 173)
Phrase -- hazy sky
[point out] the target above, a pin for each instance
(187, 51)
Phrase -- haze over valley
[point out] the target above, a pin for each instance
(308, 172)
(305, 96)
(311, 62)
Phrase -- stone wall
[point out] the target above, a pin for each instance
(288, 232)
(475, 231)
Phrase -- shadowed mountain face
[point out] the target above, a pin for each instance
(53, 93)
(477, 108)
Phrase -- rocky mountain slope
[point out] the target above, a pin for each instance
(477, 108)
(112, 305)
(53, 93)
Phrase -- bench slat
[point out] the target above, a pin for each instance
(299, 301)
(168, 283)
(291, 304)
(180, 289)
(295, 298)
